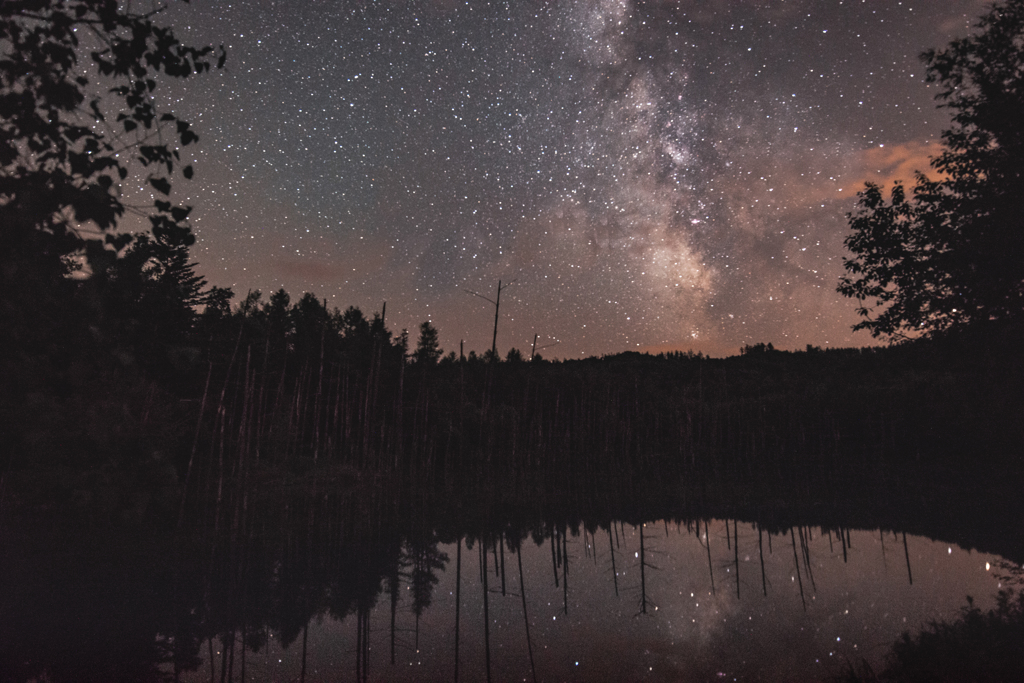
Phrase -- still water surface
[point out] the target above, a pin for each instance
(708, 600)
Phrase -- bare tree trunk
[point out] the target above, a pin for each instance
(305, 638)
(494, 337)
(796, 561)
(458, 602)
(554, 560)
(760, 550)
(501, 542)
(611, 549)
(643, 575)
(807, 556)
(711, 569)
(487, 616)
(195, 442)
(565, 572)
(526, 619)
(393, 584)
(906, 553)
(736, 550)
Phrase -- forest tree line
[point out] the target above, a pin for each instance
(151, 363)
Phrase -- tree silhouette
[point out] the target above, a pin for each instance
(428, 351)
(78, 117)
(218, 302)
(155, 290)
(309, 322)
(950, 253)
(62, 160)
(279, 323)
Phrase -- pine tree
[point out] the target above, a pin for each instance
(428, 351)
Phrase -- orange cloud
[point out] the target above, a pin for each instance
(885, 165)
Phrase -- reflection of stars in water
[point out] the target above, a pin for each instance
(690, 161)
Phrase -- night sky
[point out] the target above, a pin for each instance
(652, 175)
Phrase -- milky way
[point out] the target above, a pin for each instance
(651, 175)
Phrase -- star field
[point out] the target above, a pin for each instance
(652, 175)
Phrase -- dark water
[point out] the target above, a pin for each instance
(378, 583)
(687, 630)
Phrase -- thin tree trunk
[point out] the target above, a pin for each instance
(711, 569)
(458, 602)
(906, 553)
(760, 550)
(796, 561)
(611, 549)
(736, 550)
(526, 619)
(487, 616)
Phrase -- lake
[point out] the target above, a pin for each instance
(663, 581)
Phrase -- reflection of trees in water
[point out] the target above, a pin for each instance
(288, 562)
(426, 561)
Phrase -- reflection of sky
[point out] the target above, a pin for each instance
(653, 174)
(855, 610)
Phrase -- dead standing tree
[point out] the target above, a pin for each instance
(535, 349)
(497, 305)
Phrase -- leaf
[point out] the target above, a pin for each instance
(119, 241)
(161, 184)
(180, 213)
